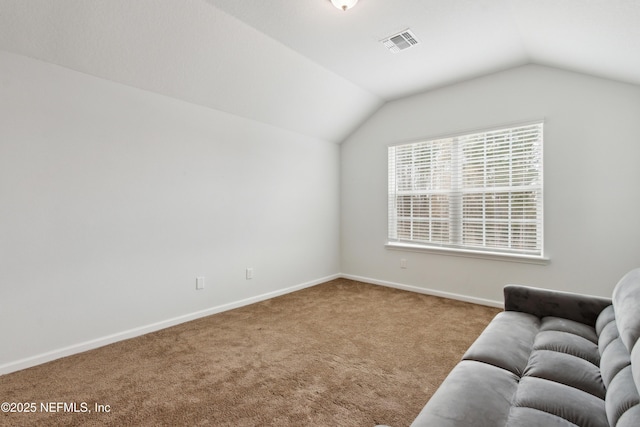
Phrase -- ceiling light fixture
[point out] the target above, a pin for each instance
(344, 4)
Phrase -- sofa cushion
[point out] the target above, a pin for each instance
(568, 343)
(626, 300)
(635, 370)
(527, 417)
(566, 369)
(620, 356)
(518, 329)
(606, 316)
(556, 362)
(614, 359)
(618, 328)
(559, 324)
(608, 335)
(476, 395)
(575, 406)
(630, 418)
(621, 395)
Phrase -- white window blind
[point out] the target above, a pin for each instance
(480, 192)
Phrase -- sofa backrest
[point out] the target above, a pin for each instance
(618, 328)
(626, 305)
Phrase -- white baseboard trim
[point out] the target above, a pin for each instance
(426, 291)
(49, 356)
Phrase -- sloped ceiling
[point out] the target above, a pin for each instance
(190, 50)
(459, 39)
(306, 66)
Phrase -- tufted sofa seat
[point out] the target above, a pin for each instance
(550, 359)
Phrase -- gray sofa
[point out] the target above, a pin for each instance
(550, 359)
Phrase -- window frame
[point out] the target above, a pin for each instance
(456, 217)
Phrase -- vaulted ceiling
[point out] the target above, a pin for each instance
(308, 67)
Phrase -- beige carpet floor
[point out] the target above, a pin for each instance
(342, 353)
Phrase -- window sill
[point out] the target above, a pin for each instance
(468, 253)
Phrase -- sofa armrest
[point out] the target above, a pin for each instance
(544, 302)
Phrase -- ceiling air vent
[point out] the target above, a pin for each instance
(401, 41)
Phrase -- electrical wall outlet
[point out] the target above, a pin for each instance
(249, 273)
(403, 263)
(199, 283)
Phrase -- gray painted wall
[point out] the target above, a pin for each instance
(591, 173)
(113, 200)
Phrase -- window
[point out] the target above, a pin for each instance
(478, 192)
